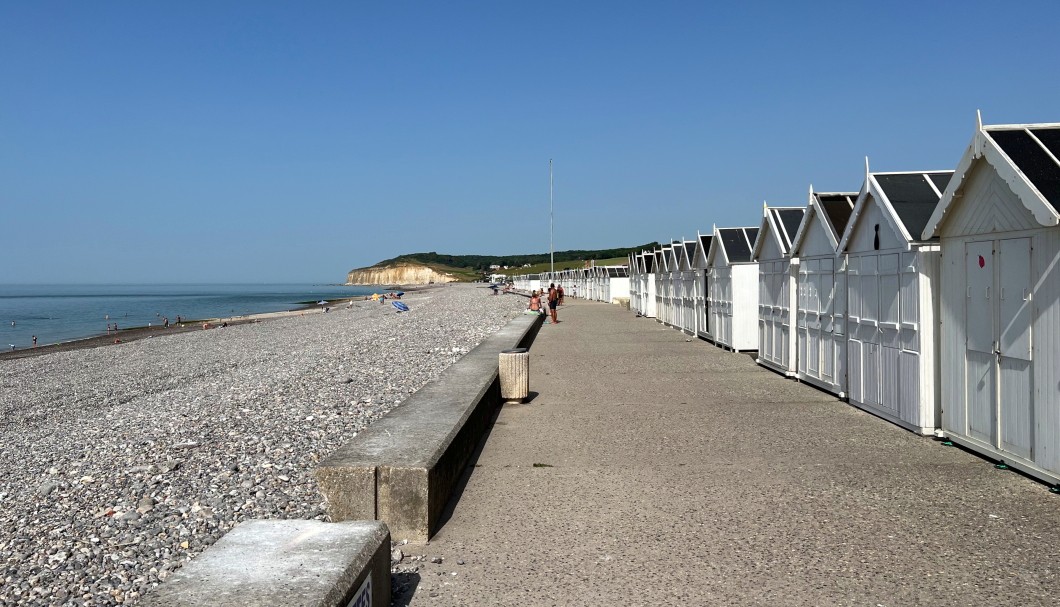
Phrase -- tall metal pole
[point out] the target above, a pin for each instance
(551, 246)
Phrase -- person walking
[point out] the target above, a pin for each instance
(560, 289)
(553, 302)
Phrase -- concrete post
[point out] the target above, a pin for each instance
(514, 373)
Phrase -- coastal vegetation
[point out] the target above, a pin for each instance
(467, 268)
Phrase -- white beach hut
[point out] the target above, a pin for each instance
(617, 284)
(1000, 298)
(682, 275)
(892, 275)
(674, 264)
(647, 264)
(687, 320)
(666, 286)
(660, 284)
(777, 280)
(734, 284)
(820, 314)
(702, 292)
(633, 262)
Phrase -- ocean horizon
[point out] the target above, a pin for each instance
(58, 313)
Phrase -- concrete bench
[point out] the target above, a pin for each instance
(403, 468)
(265, 563)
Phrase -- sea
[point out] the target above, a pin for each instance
(59, 313)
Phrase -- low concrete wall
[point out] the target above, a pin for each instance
(403, 468)
(267, 563)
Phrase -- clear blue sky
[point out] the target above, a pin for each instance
(282, 141)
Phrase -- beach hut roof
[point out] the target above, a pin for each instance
(783, 224)
(908, 199)
(649, 262)
(1026, 156)
(833, 209)
(734, 243)
(702, 250)
(686, 251)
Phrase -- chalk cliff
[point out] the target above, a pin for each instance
(397, 274)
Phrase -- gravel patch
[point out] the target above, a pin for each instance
(119, 464)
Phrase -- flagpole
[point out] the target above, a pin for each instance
(551, 246)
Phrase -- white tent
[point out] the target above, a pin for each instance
(999, 224)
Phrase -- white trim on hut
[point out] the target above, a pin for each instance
(734, 288)
(891, 273)
(1000, 298)
(821, 293)
(699, 262)
(777, 280)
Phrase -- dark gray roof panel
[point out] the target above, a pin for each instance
(941, 180)
(1032, 160)
(789, 220)
(837, 209)
(735, 242)
(690, 250)
(912, 197)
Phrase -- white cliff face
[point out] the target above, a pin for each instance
(404, 274)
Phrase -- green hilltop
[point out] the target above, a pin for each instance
(473, 267)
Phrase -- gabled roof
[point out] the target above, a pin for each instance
(665, 256)
(734, 243)
(676, 250)
(686, 254)
(690, 251)
(699, 258)
(832, 209)
(908, 201)
(782, 223)
(1025, 156)
(649, 262)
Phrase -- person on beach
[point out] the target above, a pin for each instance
(535, 303)
(553, 302)
(165, 322)
(574, 291)
(34, 341)
(560, 289)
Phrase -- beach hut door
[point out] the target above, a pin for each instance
(997, 324)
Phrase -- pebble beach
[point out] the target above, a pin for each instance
(121, 463)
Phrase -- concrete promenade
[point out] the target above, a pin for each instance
(654, 470)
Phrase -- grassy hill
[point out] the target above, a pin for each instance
(474, 267)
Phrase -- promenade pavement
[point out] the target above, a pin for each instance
(656, 469)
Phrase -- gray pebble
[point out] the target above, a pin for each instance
(210, 409)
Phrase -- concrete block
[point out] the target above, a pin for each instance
(265, 563)
(417, 452)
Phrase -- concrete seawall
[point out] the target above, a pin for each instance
(403, 468)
